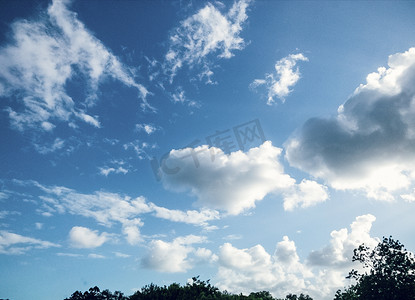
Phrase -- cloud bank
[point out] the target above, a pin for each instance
(254, 269)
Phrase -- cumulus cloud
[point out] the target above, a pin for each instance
(12, 243)
(82, 237)
(253, 269)
(203, 35)
(287, 75)
(43, 56)
(370, 144)
(283, 272)
(175, 256)
(234, 182)
(343, 242)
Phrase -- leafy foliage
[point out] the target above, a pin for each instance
(198, 289)
(95, 294)
(391, 273)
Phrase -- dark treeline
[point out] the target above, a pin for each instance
(390, 275)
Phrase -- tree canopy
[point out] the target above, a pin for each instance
(198, 289)
(390, 275)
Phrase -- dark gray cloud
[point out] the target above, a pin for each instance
(370, 144)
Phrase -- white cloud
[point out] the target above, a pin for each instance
(234, 182)
(179, 97)
(147, 128)
(132, 232)
(106, 171)
(3, 196)
(45, 149)
(121, 255)
(305, 194)
(287, 75)
(172, 257)
(116, 167)
(105, 208)
(96, 256)
(12, 243)
(139, 148)
(5, 213)
(204, 34)
(68, 254)
(343, 242)
(111, 208)
(369, 145)
(254, 269)
(43, 56)
(190, 216)
(82, 237)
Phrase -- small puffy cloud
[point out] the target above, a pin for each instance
(43, 56)
(202, 36)
(368, 146)
(234, 182)
(147, 128)
(324, 271)
(172, 257)
(12, 243)
(116, 167)
(132, 233)
(287, 75)
(106, 171)
(305, 194)
(82, 237)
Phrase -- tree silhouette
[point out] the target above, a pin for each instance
(391, 273)
(94, 293)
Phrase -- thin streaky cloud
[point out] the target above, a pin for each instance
(43, 56)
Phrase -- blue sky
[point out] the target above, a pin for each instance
(253, 143)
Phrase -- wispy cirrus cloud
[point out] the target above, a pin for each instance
(204, 36)
(43, 56)
(287, 75)
(12, 243)
(109, 209)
